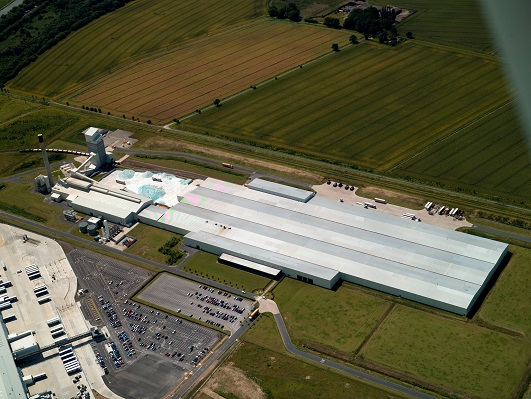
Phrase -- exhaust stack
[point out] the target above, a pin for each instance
(46, 162)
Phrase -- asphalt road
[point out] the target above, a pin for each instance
(502, 233)
(360, 374)
(10, 6)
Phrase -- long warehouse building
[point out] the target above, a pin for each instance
(323, 241)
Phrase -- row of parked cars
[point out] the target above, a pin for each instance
(335, 184)
(109, 311)
(126, 344)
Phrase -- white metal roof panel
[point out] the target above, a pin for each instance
(281, 190)
(249, 264)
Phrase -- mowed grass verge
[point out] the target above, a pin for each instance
(192, 75)
(369, 105)
(264, 360)
(206, 265)
(336, 320)
(460, 357)
(489, 157)
(133, 31)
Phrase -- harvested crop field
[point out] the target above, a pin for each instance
(134, 31)
(193, 74)
(369, 105)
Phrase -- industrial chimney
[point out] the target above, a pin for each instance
(46, 162)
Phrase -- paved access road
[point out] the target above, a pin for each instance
(502, 233)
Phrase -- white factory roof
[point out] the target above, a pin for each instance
(92, 133)
(94, 195)
(11, 386)
(281, 190)
(323, 238)
(248, 264)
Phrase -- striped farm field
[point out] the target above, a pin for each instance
(195, 73)
(135, 30)
(369, 105)
(489, 157)
(457, 23)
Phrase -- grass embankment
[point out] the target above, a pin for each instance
(135, 30)
(264, 360)
(193, 167)
(149, 240)
(206, 265)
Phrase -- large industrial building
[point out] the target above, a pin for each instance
(321, 242)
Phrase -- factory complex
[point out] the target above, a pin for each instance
(273, 229)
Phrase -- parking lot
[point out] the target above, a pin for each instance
(137, 335)
(216, 307)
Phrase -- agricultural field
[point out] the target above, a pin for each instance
(195, 73)
(456, 23)
(134, 31)
(205, 264)
(262, 368)
(337, 320)
(489, 157)
(458, 357)
(368, 105)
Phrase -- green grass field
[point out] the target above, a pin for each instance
(456, 23)
(338, 320)
(461, 358)
(206, 265)
(264, 360)
(11, 108)
(489, 157)
(370, 105)
(509, 302)
(19, 199)
(135, 30)
(150, 239)
(4, 3)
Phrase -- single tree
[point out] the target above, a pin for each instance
(149, 121)
(335, 47)
(217, 102)
(353, 39)
(273, 11)
(409, 35)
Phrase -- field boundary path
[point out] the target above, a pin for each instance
(340, 367)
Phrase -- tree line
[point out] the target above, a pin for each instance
(35, 26)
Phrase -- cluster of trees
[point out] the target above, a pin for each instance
(371, 22)
(290, 11)
(33, 27)
(167, 249)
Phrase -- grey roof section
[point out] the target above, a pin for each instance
(11, 386)
(250, 252)
(281, 190)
